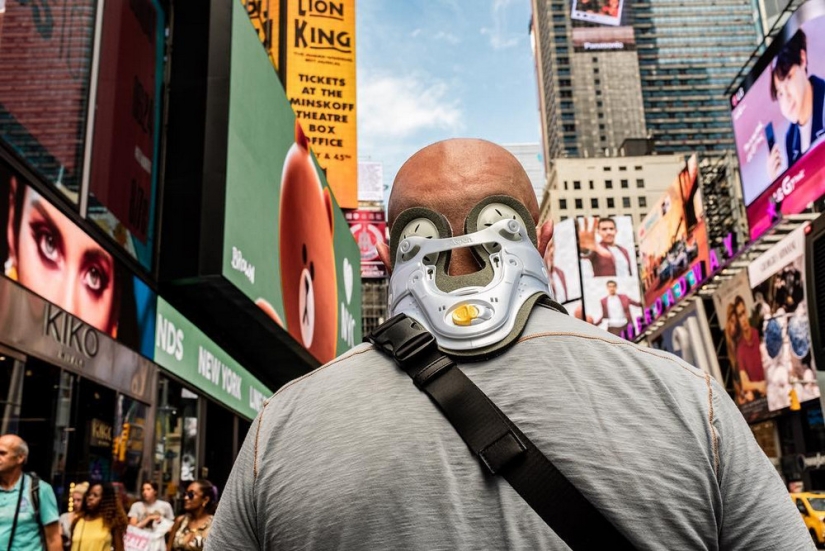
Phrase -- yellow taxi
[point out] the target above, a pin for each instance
(811, 506)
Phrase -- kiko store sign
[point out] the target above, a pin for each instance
(39, 328)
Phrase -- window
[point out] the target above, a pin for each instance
(626, 202)
(601, 115)
(591, 184)
(643, 201)
(562, 204)
(611, 203)
(640, 183)
(608, 184)
(577, 184)
(563, 218)
(606, 168)
(578, 203)
(565, 185)
(601, 127)
(603, 138)
(597, 82)
(625, 184)
(595, 60)
(594, 202)
(595, 70)
(599, 104)
(598, 92)
(637, 168)
(622, 169)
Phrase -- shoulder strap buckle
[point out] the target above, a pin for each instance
(406, 340)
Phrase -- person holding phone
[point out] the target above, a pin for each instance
(801, 98)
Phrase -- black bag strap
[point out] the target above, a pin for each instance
(34, 488)
(494, 439)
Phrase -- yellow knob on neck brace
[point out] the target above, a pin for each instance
(464, 315)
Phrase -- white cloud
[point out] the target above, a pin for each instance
(392, 106)
(447, 37)
(500, 39)
(415, 33)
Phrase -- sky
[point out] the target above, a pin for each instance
(437, 69)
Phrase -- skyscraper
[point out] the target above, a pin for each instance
(689, 53)
(588, 75)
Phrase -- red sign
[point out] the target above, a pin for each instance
(369, 228)
(123, 158)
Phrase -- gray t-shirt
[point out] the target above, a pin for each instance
(353, 456)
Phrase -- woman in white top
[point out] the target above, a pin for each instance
(146, 512)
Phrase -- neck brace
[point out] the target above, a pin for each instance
(476, 314)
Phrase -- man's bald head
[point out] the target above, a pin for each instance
(13, 454)
(452, 176)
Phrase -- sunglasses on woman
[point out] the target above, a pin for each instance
(189, 495)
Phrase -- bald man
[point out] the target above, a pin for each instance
(16, 502)
(353, 456)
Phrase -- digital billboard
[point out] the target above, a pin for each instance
(595, 39)
(609, 273)
(287, 245)
(687, 335)
(562, 261)
(774, 347)
(673, 235)
(45, 65)
(369, 229)
(779, 119)
(370, 181)
(46, 252)
(319, 72)
(603, 12)
(124, 165)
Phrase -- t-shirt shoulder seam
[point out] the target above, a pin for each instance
(610, 342)
(286, 386)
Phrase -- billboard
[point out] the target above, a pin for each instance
(46, 252)
(687, 335)
(124, 167)
(187, 352)
(319, 73)
(46, 56)
(562, 261)
(775, 346)
(286, 243)
(265, 18)
(610, 279)
(600, 39)
(673, 235)
(779, 119)
(369, 229)
(370, 181)
(603, 12)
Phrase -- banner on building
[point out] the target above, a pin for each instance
(265, 18)
(603, 12)
(319, 73)
(369, 228)
(562, 261)
(610, 280)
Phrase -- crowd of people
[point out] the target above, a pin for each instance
(97, 520)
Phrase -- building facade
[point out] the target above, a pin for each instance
(531, 158)
(688, 56)
(609, 186)
(588, 78)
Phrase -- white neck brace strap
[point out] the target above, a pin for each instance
(489, 309)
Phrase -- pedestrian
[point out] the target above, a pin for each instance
(354, 456)
(191, 529)
(28, 507)
(101, 523)
(67, 518)
(149, 510)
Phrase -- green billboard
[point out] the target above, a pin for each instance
(185, 351)
(286, 243)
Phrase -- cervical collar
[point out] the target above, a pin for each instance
(475, 314)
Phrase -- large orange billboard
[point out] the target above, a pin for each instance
(319, 71)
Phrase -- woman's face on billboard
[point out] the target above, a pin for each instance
(57, 260)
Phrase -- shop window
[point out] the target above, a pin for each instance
(176, 439)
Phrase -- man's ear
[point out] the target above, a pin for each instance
(545, 235)
(383, 251)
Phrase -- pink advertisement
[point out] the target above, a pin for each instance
(779, 122)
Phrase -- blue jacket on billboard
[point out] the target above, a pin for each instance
(793, 139)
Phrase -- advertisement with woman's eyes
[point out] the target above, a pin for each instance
(46, 252)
